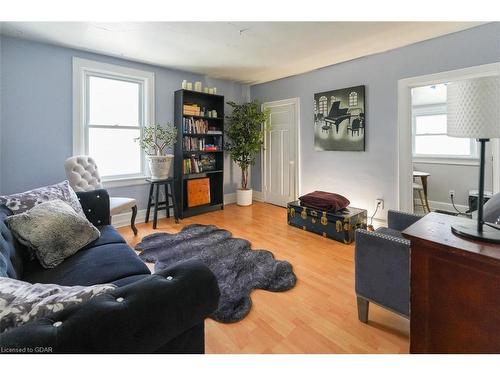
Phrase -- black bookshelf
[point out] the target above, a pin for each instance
(216, 176)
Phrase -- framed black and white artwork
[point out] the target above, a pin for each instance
(340, 120)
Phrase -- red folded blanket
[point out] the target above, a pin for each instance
(321, 200)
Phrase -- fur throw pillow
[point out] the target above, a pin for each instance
(53, 230)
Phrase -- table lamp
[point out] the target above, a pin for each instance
(473, 111)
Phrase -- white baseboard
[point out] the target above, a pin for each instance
(229, 198)
(123, 220)
(446, 206)
(258, 196)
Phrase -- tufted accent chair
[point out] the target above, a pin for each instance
(83, 175)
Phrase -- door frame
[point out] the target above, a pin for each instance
(405, 159)
(263, 164)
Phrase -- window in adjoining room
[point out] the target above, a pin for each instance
(353, 99)
(430, 139)
(114, 103)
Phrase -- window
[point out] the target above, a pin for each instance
(430, 139)
(323, 105)
(353, 99)
(112, 104)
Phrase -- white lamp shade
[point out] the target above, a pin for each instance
(473, 108)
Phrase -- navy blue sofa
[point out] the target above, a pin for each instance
(160, 313)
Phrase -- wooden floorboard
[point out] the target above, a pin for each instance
(318, 315)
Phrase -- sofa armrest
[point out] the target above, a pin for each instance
(382, 269)
(137, 318)
(95, 204)
(401, 220)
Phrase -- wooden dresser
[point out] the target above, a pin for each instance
(455, 290)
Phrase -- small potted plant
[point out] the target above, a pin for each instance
(245, 132)
(154, 141)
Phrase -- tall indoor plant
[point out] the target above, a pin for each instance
(154, 141)
(245, 132)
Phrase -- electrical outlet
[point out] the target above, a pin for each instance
(380, 203)
(451, 193)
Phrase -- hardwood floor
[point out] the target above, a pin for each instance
(318, 315)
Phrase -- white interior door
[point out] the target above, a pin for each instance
(280, 153)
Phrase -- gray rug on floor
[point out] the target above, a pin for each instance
(237, 267)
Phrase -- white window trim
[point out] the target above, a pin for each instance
(81, 69)
(439, 109)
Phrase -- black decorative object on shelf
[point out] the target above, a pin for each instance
(199, 148)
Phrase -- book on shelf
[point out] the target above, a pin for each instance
(201, 144)
(194, 144)
(203, 163)
(214, 131)
(210, 148)
(193, 126)
(191, 109)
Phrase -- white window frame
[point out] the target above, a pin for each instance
(82, 70)
(438, 109)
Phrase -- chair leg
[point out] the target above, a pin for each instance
(155, 212)
(363, 306)
(150, 200)
(420, 194)
(132, 221)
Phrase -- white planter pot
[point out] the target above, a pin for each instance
(244, 197)
(160, 166)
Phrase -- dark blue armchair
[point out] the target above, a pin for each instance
(382, 266)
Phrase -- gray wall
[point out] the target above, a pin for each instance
(365, 176)
(37, 112)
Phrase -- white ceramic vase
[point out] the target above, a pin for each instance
(244, 197)
(160, 166)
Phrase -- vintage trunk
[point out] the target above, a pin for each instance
(339, 225)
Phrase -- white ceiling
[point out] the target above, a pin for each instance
(247, 52)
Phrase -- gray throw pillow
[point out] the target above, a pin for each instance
(22, 202)
(22, 302)
(53, 230)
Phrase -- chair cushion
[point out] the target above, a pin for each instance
(96, 265)
(53, 230)
(119, 204)
(390, 232)
(108, 235)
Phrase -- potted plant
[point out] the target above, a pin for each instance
(245, 132)
(155, 139)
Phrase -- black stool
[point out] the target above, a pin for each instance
(169, 182)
